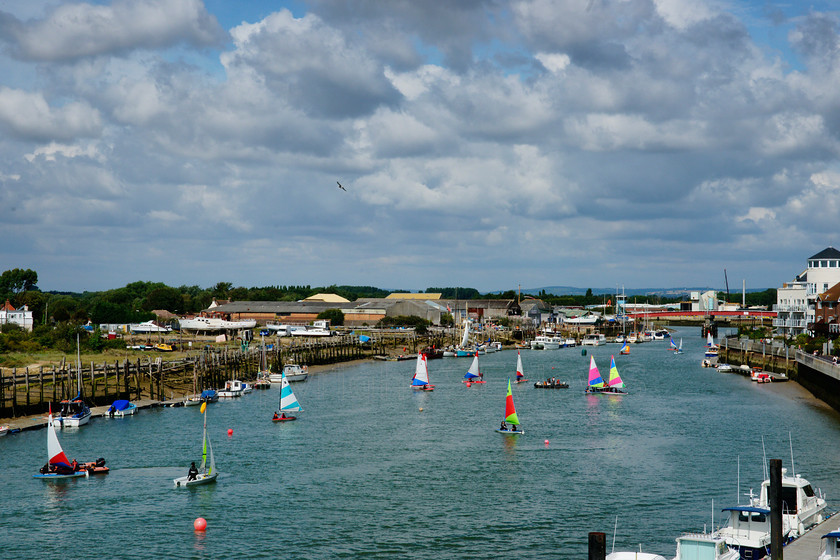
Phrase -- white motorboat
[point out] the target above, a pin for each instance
(233, 388)
(832, 546)
(748, 531)
(569, 343)
(595, 339)
(725, 368)
(690, 546)
(215, 324)
(4, 430)
(545, 342)
(148, 327)
(293, 372)
(802, 508)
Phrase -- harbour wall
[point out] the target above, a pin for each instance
(818, 374)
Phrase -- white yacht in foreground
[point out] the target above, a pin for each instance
(690, 546)
(802, 508)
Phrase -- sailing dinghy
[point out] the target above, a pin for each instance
(420, 381)
(58, 466)
(288, 402)
(510, 416)
(474, 374)
(624, 349)
(520, 372)
(596, 383)
(206, 473)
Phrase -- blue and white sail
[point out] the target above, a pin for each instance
(421, 372)
(288, 401)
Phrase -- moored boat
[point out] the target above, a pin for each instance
(832, 546)
(209, 395)
(292, 372)
(121, 407)
(233, 388)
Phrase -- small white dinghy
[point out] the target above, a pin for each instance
(206, 473)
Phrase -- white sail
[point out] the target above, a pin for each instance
(474, 371)
(288, 401)
(55, 455)
(465, 340)
(520, 372)
(421, 371)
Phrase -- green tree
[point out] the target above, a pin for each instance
(164, 298)
(335, 316)
(18, 280)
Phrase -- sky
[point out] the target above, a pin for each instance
(480, 143)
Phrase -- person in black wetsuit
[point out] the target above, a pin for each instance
(193, 473)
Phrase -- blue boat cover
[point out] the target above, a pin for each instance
(832, 535)
(208, 393)
(749, 509)
(120, 404)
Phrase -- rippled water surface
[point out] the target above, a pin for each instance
(365, 473)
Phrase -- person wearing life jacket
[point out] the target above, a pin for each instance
(193, 472)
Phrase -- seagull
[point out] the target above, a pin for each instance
(340, 187)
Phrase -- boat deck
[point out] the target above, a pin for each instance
(808, 546)
(38, 422)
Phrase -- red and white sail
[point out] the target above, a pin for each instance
(54, 451)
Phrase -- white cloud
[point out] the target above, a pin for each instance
(28, 115)
(80, 29)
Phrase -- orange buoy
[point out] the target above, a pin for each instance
(200, 524)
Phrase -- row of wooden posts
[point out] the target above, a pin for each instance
(27, 391)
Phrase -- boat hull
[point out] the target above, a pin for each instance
(605, 391)
(54, 476)
(286, 419)
(73, 421)
(510, 432)
(547, 385)
(198, 481)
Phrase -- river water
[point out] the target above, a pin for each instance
(364, 472)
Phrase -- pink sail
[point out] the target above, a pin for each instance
(595, 379)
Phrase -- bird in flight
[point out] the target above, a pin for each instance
(340, 187)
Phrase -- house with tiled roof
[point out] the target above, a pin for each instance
(21, 317)
(796, 301)
(827, 313)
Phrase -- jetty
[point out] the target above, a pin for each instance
(809, 545)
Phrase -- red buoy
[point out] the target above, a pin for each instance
(230, 431)
(200, 524)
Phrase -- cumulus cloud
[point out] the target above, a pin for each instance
(27, 115)
(310, 64)
(609, 128)
(81, 30)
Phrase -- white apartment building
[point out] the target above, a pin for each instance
(796, 301)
